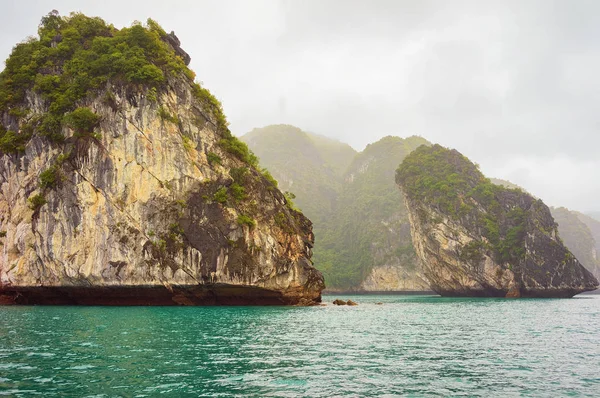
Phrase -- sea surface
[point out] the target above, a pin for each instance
(407, 346)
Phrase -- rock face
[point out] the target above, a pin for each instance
(175, 44)
(475, 238)
(576, 230)
(157, 205)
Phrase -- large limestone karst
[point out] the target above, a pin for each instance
(475, 238)
(120, 182)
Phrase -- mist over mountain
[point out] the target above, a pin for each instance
(362, 232)
(308, 165)
(511, 84)
(578, 236)
(362, 235)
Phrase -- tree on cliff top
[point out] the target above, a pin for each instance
(78, 57)
(449, 182)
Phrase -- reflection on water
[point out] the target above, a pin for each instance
(410, 345)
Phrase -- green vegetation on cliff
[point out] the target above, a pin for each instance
(105, 133)
(579, 232)
(475, 238)
(75, 57)
(78, 57)
(370, 226)
(449, 182)
(50, 81)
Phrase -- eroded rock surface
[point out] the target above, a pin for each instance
(154, 207)
(475, 238)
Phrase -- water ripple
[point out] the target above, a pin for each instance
(410, 346)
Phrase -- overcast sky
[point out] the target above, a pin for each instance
(513, 85)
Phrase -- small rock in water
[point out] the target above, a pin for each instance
(350, 302)
(339, 302)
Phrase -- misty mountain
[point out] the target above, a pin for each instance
(578, 237)
(505, 183)
(362, 236)
(594, 215)
(308, 165)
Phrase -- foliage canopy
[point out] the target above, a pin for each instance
(447, 181)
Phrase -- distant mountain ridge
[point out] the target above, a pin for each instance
(577, 235)
(305, 164)
(362, 236)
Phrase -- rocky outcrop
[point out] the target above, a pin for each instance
(342, 302)
(174, 42)
(475, 238)
(576, 230)
(157, 205)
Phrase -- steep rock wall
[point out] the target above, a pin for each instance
(152, 207)
(478, 239)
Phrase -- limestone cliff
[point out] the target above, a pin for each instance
(475, 238)
(140, 194)
(575, 229)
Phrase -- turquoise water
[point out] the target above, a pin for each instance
(410, 345)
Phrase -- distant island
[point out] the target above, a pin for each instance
(475, 238)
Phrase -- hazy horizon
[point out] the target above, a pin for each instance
(511, 85)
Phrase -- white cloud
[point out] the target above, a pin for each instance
(510, 84)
